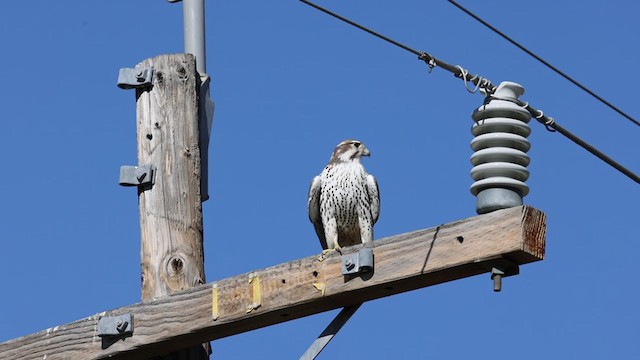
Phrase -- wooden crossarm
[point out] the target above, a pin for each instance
(299, 288)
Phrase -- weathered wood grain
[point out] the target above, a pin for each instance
(172, 254)
(291, 290)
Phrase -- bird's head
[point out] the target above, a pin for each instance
(349, 150)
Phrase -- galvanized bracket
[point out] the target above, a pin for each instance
(144, 175)
(119, 325)
(129, 78)
(357, 263)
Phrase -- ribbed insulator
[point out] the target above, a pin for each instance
(500, 159)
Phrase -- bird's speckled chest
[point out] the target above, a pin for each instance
(343, 193)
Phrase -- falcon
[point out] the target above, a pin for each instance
(344, 201)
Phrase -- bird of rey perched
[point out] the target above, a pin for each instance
(344, 201)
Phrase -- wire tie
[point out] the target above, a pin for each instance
(431, 62)
(549, 123)
(480, 81)
(464, 76)
(463, 73)
(484, 89)
(488, 99)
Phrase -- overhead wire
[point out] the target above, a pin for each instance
(427, 58)
(352, 23)
(546, 63)
(487, 88)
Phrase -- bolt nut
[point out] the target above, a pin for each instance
(141, 177)
(348, 263)
(121, 326)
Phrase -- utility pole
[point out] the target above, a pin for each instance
(174, 115)
(172, 255)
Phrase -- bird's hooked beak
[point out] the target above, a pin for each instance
(364, 151)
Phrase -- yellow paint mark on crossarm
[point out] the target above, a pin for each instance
(214, 303)
(320, 286)
(254, 281)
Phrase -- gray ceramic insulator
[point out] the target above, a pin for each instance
(500, 148)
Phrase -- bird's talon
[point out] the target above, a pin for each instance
(323, 254)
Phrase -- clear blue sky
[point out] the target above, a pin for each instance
(289, 83)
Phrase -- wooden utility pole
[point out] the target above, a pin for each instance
(171, 210)
(172, 255)
(498, 240)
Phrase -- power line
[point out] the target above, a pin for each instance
(487, 88)
(340, 17)
(546, 63)
(430, 60)
(552, 126)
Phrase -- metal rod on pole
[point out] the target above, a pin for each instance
(194, 43)
(194, 36)
(343, 316)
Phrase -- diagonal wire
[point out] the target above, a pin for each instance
(485, 84)
(546, 63)
(430, 60)
(552, 125)
(352, 23)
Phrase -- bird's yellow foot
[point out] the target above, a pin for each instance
(326, 252)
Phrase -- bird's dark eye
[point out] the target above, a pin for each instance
(356, 144)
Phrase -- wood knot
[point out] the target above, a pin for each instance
(175, 266)
(182, 72)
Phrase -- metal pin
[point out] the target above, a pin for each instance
(496, 276)
(497, 283)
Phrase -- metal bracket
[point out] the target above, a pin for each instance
(137, 175)
(115, 325)
(129, 78)
(359, 262)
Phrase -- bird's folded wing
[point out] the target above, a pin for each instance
(313, 208)
(374, 197)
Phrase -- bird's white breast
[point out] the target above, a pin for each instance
(343, 192)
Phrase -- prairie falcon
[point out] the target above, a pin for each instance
(344, 201)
